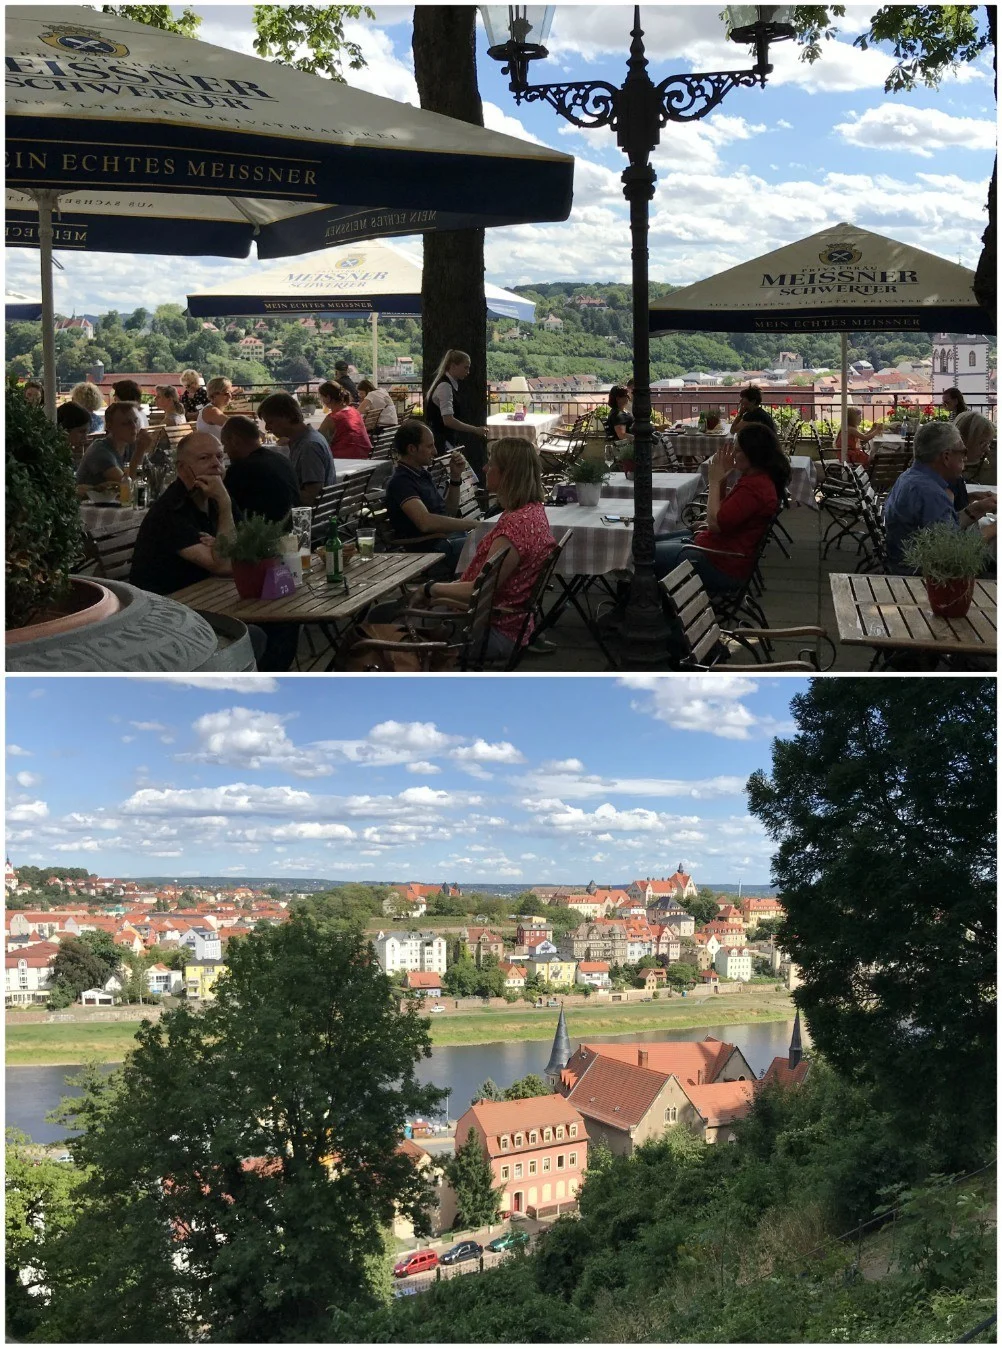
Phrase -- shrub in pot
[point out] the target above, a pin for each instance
(588, 475)
(255, 543)
(44, 535)
(949, 560)
(626, 461)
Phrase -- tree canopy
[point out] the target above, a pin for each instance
(883, 809)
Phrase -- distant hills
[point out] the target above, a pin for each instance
(310, 884)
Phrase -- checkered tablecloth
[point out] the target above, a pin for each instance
(534, 426)
(594, 548)
(693, 445)
(98, 520)
(677, 489)
(803, 480)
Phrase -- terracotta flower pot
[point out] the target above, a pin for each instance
(950, 599)
(248, 577)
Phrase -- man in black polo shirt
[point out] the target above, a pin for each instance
(750, 409)
(175, 546)
(259, 480)
(417, 512)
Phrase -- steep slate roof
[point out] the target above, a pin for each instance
(561, 1050)
(616, 1093)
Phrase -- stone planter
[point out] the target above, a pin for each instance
(144, 632)
(589, 493)
(234, 652)
(88, 602)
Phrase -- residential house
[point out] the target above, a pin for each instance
(639, 939)
(655, 978)
(205, 943)
(97, 997)
(593, 973)
(28, 973)
(709, 978)
(734, 962)
(538, 1151)
(531, 931)
(251, 346)
(425, 982)
(79, 327)
(729, 913)
(551, 969)
(727, 934)
(162, 979)
(410, 951)
(601, 940)
(665, 941)
(552, 324)
(201, 977)
(483, 941)
(633, 1092)
(755, 908)
(430, 1167)
(514, 975)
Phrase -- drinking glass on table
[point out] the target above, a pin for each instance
(302, 527)
(366, 540)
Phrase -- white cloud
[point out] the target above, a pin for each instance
(550, 814)
(246, 738)
(26, 811)
(919, 131)
(559, 779)
(707, 703)
(482, 751)
(418, 737)
(214, 683)
(149, 726)
(16, 752)
(421, 766)
(27, 779)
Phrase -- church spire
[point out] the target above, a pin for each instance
(796, 1049)
(560, 1052)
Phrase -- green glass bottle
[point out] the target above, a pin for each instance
(335, 555)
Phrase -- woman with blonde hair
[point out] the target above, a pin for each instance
(439, 404)
(514, 477)
(193, 392)
(212, 418)
(977, 433)
(88, 396)
(857, 438)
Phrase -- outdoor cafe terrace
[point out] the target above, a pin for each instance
(821, 568)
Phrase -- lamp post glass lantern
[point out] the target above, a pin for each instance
(638, 111)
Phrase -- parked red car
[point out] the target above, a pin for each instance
(418, 1262)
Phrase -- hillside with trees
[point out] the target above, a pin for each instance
(595, 339)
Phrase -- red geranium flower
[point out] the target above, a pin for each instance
(789, 400)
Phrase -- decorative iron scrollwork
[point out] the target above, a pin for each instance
(591, 104)
(687, 98)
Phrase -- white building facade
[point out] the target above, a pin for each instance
(398, 951)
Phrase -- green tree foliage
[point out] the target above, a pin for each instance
(283, 31)
(186, 24)
(530, 1085)
(39, 1195)
(478, 1202)
(488, 1091)
(239, 1150)
(76, 966)
(704, 907)
(883, 809)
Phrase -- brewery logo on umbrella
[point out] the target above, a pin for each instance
(346, 264)
(85, 40)
(840, 254)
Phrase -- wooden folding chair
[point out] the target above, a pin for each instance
(109, 555)
(533, 608)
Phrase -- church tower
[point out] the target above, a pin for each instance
(796, 1048)
(559, 1054)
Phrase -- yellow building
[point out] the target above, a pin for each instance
(200, 979)
(551, 969)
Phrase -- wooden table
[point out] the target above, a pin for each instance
(892, 614)
(313, 601)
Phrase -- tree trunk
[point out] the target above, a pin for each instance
(454, 312)
(985, 280)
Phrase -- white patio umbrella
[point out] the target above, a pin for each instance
(368, 279)
(23, 307)
(843, 279)
(141, 141)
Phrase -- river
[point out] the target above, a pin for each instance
(31, 1092)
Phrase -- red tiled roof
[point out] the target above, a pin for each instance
(612, 1091)
(41, 954)
(508, 1117)
(594, 966)
(423, 979)
(508, 969)
(721, 1102)
(686, 1060)
(780, 1072)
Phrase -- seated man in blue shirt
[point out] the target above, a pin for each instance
(419, 516)
(924, 494)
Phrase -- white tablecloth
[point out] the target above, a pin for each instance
(344, 468)
(677, 489)
(99, 520)
(803, 480)
(535, 425)
(594, 547)
(890, 440)
(696, 445)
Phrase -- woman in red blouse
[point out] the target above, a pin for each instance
(736, 517)
(513, 476)
(343, 428)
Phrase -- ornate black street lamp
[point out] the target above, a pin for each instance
(638, 111)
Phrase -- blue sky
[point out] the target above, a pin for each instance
(496, 780)
(820, 144)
